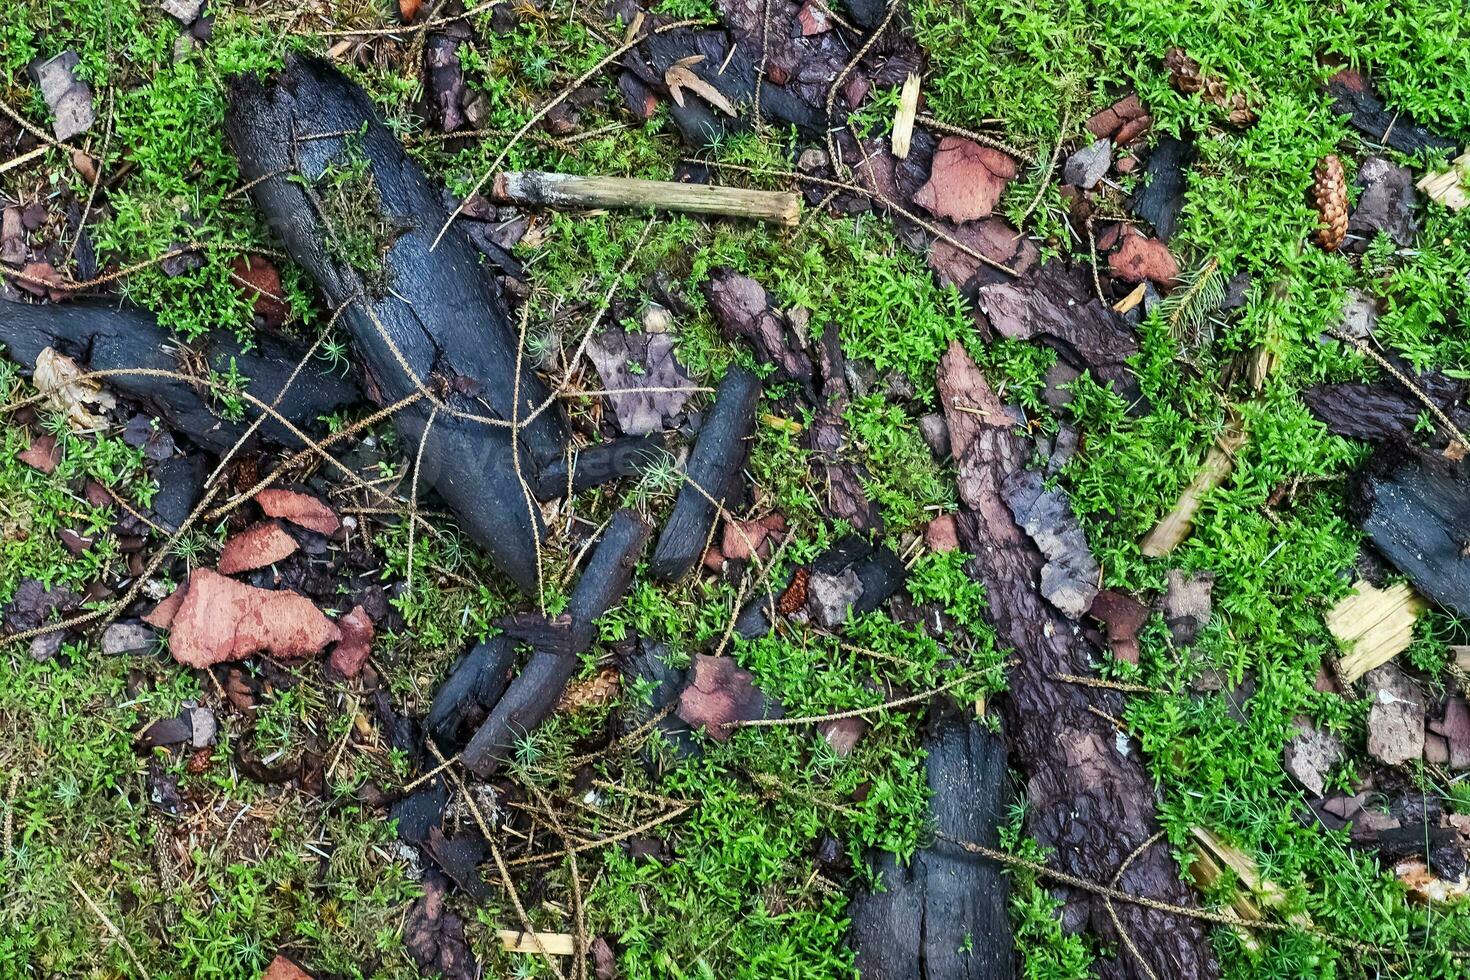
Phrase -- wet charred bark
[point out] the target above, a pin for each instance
(429, 318)
(102, 336)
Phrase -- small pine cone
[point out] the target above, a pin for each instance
(598, 690)
(1329, 193)
(1183, 71)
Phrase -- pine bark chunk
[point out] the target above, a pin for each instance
(944, 916)
(539, 686)
(221, 619)
(712, 475)
(257, 546)
(423, 317)
(101, 336)
(1088, 800)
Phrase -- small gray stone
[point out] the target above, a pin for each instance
(811, 159)
(936, 434)
(831, 597)
(183, 11)
(204, 726)
(1188, 603)
(1311, 755)
(46, 646)
(1359, 315)
(126, 638)
(1086, 167)
(1396, 720)
(70, 99)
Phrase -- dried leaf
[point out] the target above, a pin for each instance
(60, 377)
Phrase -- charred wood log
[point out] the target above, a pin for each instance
(539, 685)
(1415, 508)
(101, 336)
(472, 688)
(1159, 199)
(595, 465)
(423, 317)
(1353, 96)
(944, 916)
(712, 475)
(1088, 802)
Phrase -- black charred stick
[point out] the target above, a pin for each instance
(358, 214)
(477, 681)
(538, 687)
(714, 469)
(101, 336)
(598, 464)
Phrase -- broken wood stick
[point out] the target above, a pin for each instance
(711, 476)
(538, 687)
(903, 117)
(101, 336)
(550, 943)
(1176, 525)
(537, 188)
(471, 689)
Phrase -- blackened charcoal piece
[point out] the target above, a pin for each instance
(714, 469)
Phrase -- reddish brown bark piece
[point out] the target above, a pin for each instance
(221, 619)
(1455, 729)
(744, 538)
(300, 509)
(259, 281)
(259, 545)
(966, 180)
(1123, 616)
(718, 694)
(162, 615)
(1090, 798)
(44, 454)
(352, 651)
(1124, 121)
(281, 968)
(1139, 258)
(942, 534)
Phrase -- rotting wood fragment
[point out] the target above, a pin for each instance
(1089, 795)
(711, 476)
(1354, 97)
(1374, 625)
(535, 188)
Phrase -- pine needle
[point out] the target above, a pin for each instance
(1188, 310)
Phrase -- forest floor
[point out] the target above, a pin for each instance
(210, 852)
